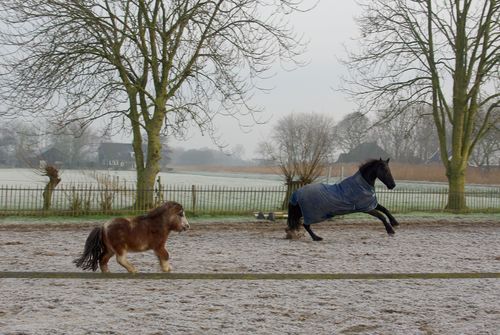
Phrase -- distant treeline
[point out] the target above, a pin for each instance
(206, 156)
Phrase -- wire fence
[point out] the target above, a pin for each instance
(199, 200)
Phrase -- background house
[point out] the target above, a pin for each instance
(121, 156)
(54, 156)
(116, 156)
(363, 152)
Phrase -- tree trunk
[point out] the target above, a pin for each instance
(146, 176)
(47, 193)
(145, 188)
(456, 191)
(54, 180)
(147, 164)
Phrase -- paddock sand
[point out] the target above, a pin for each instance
(132, 306)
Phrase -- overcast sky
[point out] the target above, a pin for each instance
(308, 89)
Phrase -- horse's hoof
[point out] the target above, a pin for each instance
(293, 234)
(395, 224)
(317, 238)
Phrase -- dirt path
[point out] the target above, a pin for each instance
(410, 306)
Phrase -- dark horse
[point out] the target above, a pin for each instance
(140, 233)
(318, 202)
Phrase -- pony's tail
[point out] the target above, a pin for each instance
(93, 251)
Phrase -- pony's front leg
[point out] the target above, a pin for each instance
(123, 261)
(384, 210)
(313, 235)
(163, 256)
(381, 217)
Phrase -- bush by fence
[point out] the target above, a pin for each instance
(85, 200)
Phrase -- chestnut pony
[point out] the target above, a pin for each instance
(140, 233)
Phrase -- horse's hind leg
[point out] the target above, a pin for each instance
(313, 235)
(123, 261)
(293, 221)
(103, 262)
(163, 256)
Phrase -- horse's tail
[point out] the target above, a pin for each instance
(93, 251)
(294, 215)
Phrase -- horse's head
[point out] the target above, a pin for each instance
(171, 214)
(176, 217)
(384, 173)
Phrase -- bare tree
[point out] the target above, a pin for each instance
(144, 65)
(351, 131)
(29, 144)
(8, 141)
(301, 145)
(78, 144)
(442, 53)
(52, 173)
(487, 149)
(426, 138)
(407, 137)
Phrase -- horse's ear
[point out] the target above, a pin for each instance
(387, 161)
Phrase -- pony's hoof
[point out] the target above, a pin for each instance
(317, 238)
(166, 268)
(394, 223)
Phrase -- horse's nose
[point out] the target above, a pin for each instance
(185, 225)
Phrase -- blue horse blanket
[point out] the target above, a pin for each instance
(319, 202)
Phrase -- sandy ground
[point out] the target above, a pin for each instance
(424, 306)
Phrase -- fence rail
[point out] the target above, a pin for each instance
(197, 199)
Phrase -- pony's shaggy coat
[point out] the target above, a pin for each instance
(140, 233)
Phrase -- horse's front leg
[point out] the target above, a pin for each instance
(313, 235)
(163, 256)
(382, 218)
(384, 210)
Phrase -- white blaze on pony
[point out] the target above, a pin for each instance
(140, 233)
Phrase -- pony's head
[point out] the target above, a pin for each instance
(171, 214)
(378, 168)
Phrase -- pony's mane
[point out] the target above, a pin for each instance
(154, 212)
(158, 211)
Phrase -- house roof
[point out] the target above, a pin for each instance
(53, 155)
(118, 151)
(363, 152)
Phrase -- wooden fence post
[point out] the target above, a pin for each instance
(193, 198)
